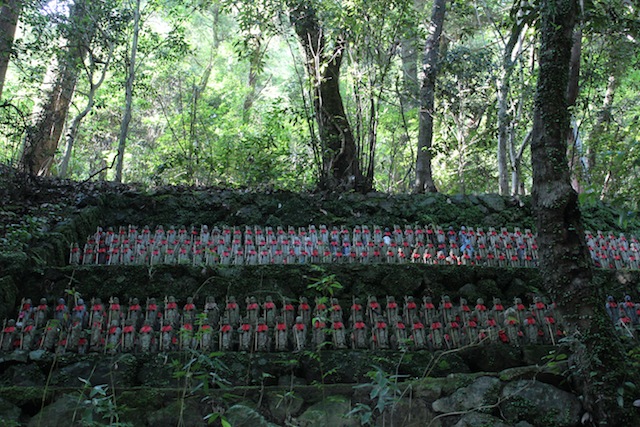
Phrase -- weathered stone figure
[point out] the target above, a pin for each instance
(245, 335)
(114, 336)
(281, 335)
(232, 311)
(263, 340)
(299, 334)
(146, 341)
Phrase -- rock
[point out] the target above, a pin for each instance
(492, 357)
(516, 288)
(330, 412)
(407, 413)
(470, 291)
(540, 404)
(170, 415)
(20, 356)
(290, 381)
(24, 376)
(244, 416)
(493, 202)
(483, 391)
(475, 419)
(283, 405)
(9, 413)
(37, 355)
(66, 411)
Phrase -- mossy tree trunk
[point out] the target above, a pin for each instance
(424, 175)
(340, 164)
(599, 359)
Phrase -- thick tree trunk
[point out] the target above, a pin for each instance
(9, 13)
(424, 175)
(128, 97)
(340, 165)
(505, 126)
(41, 142)
(72, 132)
(564, 258)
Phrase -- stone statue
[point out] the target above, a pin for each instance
(212, 312)
(171, 314)
(299, 334)
(146, 338)
(359, 333)
(380, 336)
(263, 340)
(28, 336)
(167, 336)
(9, 336)
(436, 335)
(205, 336)
(114, 334)
(96, 339)
(245, 335)
(418, 335)
(281, 335)
(338, 335)
(41, 314)
(128, 337)
(269, 311)
(226, 335)
(398, 337)
(189, 312)
(232, 311)
(318, 332)
(61, 313)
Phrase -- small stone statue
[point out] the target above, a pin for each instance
(114, 334)
(232, 311)
(212, 312)
(189, 312)
(299, 334)
(135, 313)
(436, 336)
(171, 315)
(28, 337)
(304, 310)
(41, 314)
(146, 341)
(9, 336)
(318, 333)
(128, 336)
(359, 333)
(245, 335)
(205, 336)
(380, 336)
(167, 336)
(263, 340)
(418, 334)
(96, 340)
(281, 335)
(253, 310)
(61, 313)
(186, 339)
(226, 338)
(338, 335)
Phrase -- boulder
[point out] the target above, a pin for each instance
(483, 391)
(540, 404)
(475, 419)
(493, 202)
(187, 413)
(283, 405)
(244, 416)
(408, 412)
(9, 413)
(65, 411)
(330, 412)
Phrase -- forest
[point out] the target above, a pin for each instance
(395, 96)
(520, 98)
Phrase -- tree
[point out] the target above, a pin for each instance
(9, 13)
(566, 268)
(340, 164)
(41, 141)
(128, 98)
(424, 176)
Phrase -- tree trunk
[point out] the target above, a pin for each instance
(424, 176)
(41, 142)
(340, 165)
(9, 13)
(573, 90)
(505, 126)
(598, 360)
(72, 132)
(126, 117)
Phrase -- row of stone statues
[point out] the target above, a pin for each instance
(268, 325)
(256, 245)
(625, 315)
